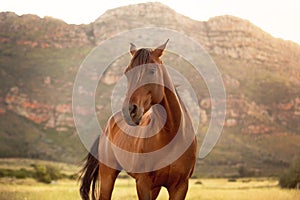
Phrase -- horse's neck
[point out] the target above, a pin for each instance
(173, 110)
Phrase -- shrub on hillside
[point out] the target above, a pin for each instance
(245, 172)
(291, 177)
(19, 173)
(47, 173)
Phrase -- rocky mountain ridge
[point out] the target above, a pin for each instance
(33, 31)
(224, 35)
(39, 59)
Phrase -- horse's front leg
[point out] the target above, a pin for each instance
(155, 193)
(144, 188)
(178, 191)
(107, 181)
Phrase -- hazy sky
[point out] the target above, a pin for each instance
(278, 17)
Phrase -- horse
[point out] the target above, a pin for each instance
(151, 104)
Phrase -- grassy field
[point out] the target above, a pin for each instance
(210, 189)
(66, 189)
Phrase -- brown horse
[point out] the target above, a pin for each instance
(152, 138)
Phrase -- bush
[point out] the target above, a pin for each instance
(291, 177)
(42, 173)
(72, 176)
(47, 173)
(231, 180)
(23, 173)
(19, 174)
(244, 172)
(198, 183)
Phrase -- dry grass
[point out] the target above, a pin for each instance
(210, 189)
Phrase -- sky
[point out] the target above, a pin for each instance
(277, 17)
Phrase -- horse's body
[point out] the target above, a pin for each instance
(139, 112)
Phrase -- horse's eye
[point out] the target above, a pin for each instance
(152, 71)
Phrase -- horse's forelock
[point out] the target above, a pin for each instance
(142, 56)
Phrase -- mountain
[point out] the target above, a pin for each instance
(39, 58)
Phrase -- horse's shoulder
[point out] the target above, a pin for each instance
(113, 122)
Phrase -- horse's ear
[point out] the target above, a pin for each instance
(132, 49)
(159, 50)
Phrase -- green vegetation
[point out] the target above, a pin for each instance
(27, 67)
(291, 177)
(260, 83)
(41, 171)
(210, 189)
(19, 174)
(20, 137)
(244, 172)
(12, 187)
(47, 173)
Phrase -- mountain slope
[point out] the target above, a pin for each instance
(39, 59)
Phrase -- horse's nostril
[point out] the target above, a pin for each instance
(133, 110)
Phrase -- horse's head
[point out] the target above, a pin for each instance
(145, 78)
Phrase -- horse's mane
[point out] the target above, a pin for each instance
(141, 57)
